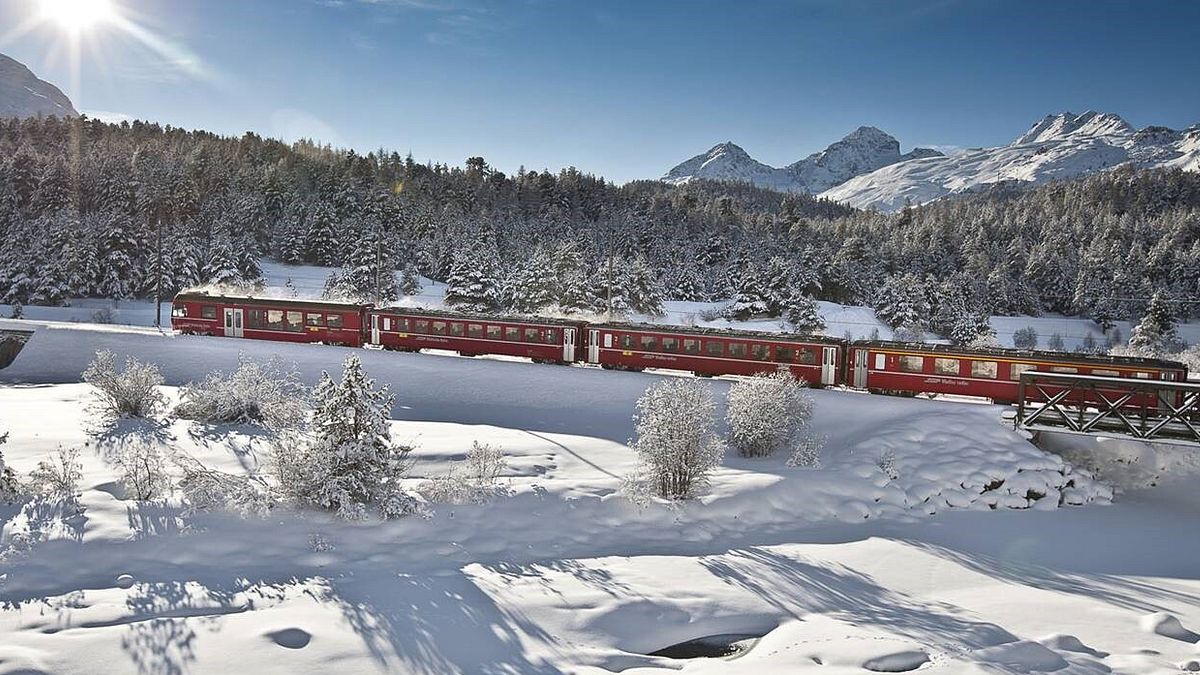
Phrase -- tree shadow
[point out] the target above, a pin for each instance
(796, 588)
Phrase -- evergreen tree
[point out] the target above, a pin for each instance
(474, 284)
(803, 316)
(1156, 333)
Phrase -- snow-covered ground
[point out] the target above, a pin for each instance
(842, 569)
(859, 322)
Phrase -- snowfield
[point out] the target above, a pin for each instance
(963, 555)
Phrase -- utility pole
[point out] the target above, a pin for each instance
(159, 272)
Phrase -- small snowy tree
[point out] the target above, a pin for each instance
(802, 315)
(58, 476)
(131, 393)
(1156, 334)
(768, 413)
(351, 461)
(1025, 338)
(1055, 343)
(676, 438)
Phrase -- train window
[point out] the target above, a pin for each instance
(439, 328)
(784, 354)
(714, 348)
(761, 352)
(402, 324)
(551, 336)
(945, 366)
(256, 318)
(334, 320)
(1142, 376)
(649, 343)
(880, 362)
(808, 357)
(456, 329)
(312, 319)
(493, 332)
(608, 340)
(912, 364)
(1063, 369)
(532, 335)
(626, 342)
(208, 312)
(983, 369)
(670, 344)
(275, 319)
(420, 326)
(387, 323)
(179, 311)
(1100, 372)
(737, 349)
(1015, 370)
(475, 330)
(511, 333)
(295, 322)
(691, 346)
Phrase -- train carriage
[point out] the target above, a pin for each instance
(994, 373)
(540, 339)
(817, 360)
(279, 319)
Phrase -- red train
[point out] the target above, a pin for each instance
(875, 366)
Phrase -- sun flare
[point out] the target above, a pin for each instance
(77, 16)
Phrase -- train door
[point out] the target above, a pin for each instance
(593, 346)
(375, 329)
(861, 359)
(829, 366)
(233, 322)
(568, 344)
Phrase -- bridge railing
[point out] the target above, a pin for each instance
(1144, 409)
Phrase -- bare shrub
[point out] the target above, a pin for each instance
(10, 487)
(676, 438)
(807, 453)
(473, 480)
(767, 413)
(207, 489)
(58, 476)
(143, 469)
(131, 393)
(263, 394)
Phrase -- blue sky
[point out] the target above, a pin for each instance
(624, 89)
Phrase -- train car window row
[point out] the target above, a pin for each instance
(473, 330)
(713, 348)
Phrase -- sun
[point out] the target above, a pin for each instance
(77, 16)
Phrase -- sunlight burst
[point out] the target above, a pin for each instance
(77, 16)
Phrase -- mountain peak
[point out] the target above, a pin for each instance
(22, 94)
(1068, 125)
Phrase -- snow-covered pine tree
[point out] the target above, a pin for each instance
(751, 301)
(369, 274)
(1055, 343)
(474, 281)
(1155, 334)
(121, 262)
(322, 243)
(903, 301)
(802, 315)
(221, 270)
(533, 287)
(643, 288)
(1025, 338)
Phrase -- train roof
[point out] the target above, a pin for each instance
(720, 332)
(202, 296)
(1012, 353)
(480, 316)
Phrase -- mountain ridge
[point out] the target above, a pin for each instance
(23, 94)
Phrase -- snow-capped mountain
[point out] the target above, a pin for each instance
(1059, 146)
(22, 94)
(862, 151)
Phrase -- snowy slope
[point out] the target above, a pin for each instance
(863, 150)
(22, 94)
(840, 569)
(1056, 147)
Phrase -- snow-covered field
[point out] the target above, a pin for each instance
(842, 569)
(859, 322)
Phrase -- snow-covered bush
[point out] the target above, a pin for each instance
(807, 453)
(131, 393)
(470, 481)
(908, 333)
(256, 393)
(57, 476)
(767, 413)
(1155, 335)
(206, 489)
(676, 438)
(143, 469)
(10, 487)
(1025, 338)
(887, 464)
(349, 461)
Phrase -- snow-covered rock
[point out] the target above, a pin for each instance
(1056, 147)
(22, 94)
(863, 150)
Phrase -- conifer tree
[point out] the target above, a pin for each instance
(1156, 334)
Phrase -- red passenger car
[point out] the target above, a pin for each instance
(543, 340)
(891, 367)
(817, 360)
(284, 320)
